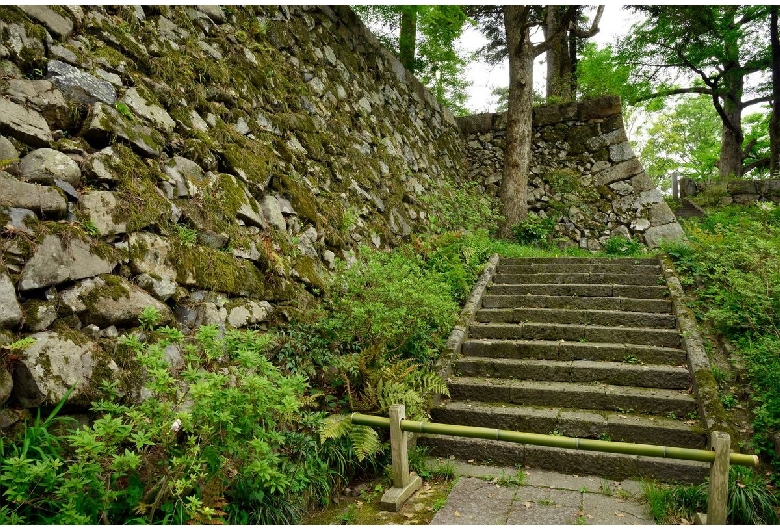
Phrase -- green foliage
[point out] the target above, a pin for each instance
(749, 501)
(437, 62)
(227, 438)
(460, 207)
(621, 246)
(187, 235)
(149, 317)
(124, 110)
(732, 262)
(535, 230)
(685, 137)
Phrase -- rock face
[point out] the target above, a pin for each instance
(100, 206)
(44, 166)
(110, 300)
(25, 125)
(45, 200)
(583, 172)
(10, 312)
(57, 260)
(78, 85)
(53, 364)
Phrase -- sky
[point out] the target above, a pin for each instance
(615, 22)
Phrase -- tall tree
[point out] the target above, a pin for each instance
(774, 124)
(721, 45)
(561, 57)
(508, 29)
(423, 38)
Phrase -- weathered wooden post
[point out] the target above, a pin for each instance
(404, 484)
(675, 185)
(719, 481)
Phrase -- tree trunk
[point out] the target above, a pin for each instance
(731, 137)
(408, 37)
(519, 126)
(774, 124)
(558, 57)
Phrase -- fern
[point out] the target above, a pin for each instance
(335, 426)
(365, 441)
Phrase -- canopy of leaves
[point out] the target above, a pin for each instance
(674, 44)
(438, 63)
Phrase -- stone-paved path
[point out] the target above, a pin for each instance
(489, 495)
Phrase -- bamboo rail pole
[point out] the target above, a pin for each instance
(678, 453)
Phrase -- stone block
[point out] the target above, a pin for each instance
(602, 107)
(100, 207)
(60, 26)
(24, 124)
(668, 232)
(661, 214)
(42, 96)
(57, 261)
(621, 171)
(44, 166)
(10, 311)
(46, 200)
(78, 85)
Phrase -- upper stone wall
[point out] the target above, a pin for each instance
(733, 191)
(209, 162)
(582, 167)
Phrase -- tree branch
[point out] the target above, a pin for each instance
(547, 44)
(675, 92)
(594, 28)
(761, 163)
(755, 101)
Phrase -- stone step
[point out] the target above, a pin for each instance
(668, 338)
(587, 261)
(612, 268)
(614, 426)
(613, 373)
(583, 278)
(642, 305)
(577, 316)
(573, 351)
(623, 291)
(570, 461)
(597, 396)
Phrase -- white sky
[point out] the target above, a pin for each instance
(615, 22)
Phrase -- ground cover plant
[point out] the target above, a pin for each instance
(731, 262)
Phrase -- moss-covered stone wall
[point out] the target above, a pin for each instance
(583, 172)
(214, 162)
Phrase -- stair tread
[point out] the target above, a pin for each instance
(584, 316)
(560, 386)
(582, 363)
(608, 417)
(573, 343)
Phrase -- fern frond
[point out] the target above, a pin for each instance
(335, 426)
(365, 442)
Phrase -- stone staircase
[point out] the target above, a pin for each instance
(579, 347)
(688, 210)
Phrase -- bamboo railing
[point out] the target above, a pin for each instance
(404, 484)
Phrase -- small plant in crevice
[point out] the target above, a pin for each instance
(621, 246)
(187, 236)
(729, 401)
(535, 230)
(149, 317)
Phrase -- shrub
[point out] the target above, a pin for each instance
(621, 246)
(227, 438)
(535, 230)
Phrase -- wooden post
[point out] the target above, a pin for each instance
(675, 185)
(398, 447)
(719, 478)
(404, 484)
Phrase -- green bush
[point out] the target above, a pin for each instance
(621, 246)
(732, 262)
(748, 502)
(228, 438)
(535, 230)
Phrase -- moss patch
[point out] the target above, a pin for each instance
(213, 270)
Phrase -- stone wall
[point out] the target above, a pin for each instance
(583, 171)
(733, 191)
(211, 163)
